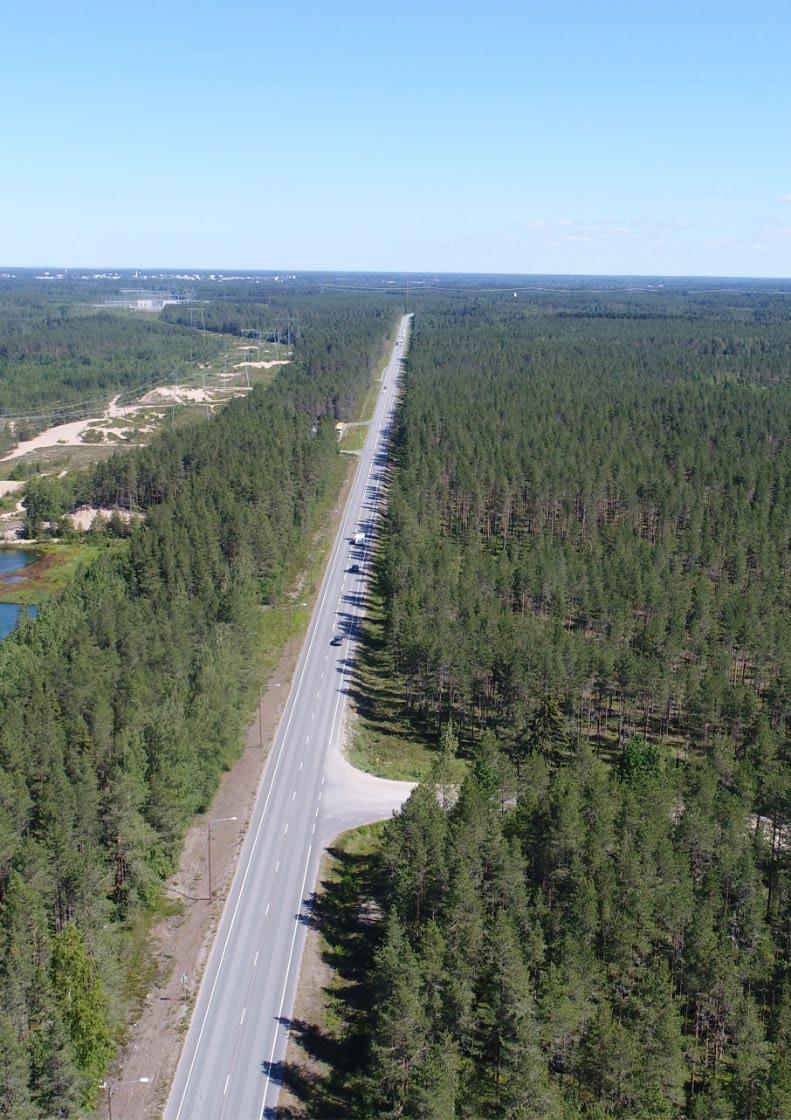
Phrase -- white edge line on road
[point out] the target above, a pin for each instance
(340, 696)
(293, 706)
(304, 656)
(285, 983)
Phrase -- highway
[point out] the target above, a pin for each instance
(237, 1038)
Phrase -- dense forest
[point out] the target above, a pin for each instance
(338, 336)
(595, 506)
(56, 354)
(281, 316)
(585, 572)
(122, 702)
(572, 941)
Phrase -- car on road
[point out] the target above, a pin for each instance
(336, 641)
(354, 569)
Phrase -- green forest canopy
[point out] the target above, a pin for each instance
(123, 701)
(597, 506)
(55, 357)
(587, 553)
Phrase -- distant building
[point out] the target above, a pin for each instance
(141, 299)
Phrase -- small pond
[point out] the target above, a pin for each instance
(9, 613)
(13, 561)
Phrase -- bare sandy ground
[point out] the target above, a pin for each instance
(7, 486)
(261, 365)
(73, 433)
(181, 394)
(84, 516)
(70, 433)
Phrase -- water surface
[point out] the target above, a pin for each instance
(12, 559)
(9, 613)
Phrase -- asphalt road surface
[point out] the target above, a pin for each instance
(233, 1053)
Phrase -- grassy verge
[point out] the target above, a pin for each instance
(141, 971)
(384, 740)
(328, 1025)
(354, 438)
(366, 409)
(53, 570)
(287, 621)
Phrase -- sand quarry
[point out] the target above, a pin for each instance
(117, 426)
(143, 416)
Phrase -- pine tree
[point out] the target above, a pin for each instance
(510, 1033)
(546, 733)
(83, 1000)
(400, 1032)
(14, 1074)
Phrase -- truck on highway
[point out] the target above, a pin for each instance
(359, 538)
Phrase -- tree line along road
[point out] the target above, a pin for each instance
(235, 1047)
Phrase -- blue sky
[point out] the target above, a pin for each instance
(587, 137)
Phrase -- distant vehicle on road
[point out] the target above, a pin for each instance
(354, 569)
(336, 641)
(359, 538)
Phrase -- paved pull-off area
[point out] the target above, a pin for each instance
(236, 1044)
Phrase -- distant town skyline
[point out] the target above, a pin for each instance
(507, 138)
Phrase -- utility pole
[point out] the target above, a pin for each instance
(206, 399)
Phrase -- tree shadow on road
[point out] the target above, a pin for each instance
(346, 915)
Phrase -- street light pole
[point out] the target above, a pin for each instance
(111, 1086)
(219, 820)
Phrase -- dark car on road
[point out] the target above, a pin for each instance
(336, 641)
(354, 568)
